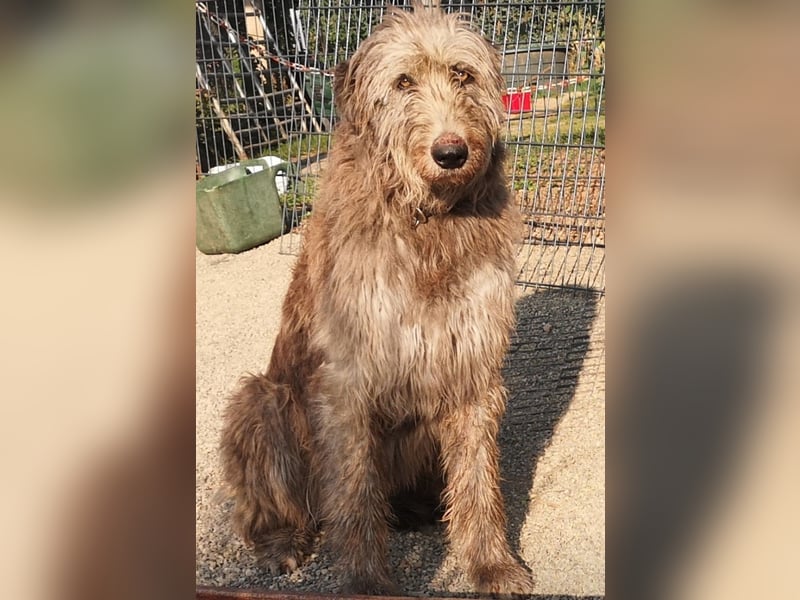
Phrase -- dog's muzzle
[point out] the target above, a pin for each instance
(449, 151)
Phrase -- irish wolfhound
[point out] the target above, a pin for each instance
(384, 380)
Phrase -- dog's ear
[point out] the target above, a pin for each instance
(344, 82)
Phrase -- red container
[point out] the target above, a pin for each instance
(517, 101)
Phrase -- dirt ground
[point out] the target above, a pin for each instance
(552, 439)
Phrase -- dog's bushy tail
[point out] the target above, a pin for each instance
(265, 469)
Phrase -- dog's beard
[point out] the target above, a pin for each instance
(450, 188)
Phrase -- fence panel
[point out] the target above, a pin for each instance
(264, 72)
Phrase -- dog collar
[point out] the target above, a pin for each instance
(419, 217)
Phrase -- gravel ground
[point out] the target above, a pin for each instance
(552, 439)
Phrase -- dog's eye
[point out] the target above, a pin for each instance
(461, 76)
(404, 82)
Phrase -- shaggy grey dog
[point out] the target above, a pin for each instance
(384, 383)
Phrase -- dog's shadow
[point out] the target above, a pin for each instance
(541, 373)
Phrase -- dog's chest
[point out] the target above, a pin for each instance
(419, 325)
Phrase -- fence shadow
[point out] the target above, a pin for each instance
(541, 374)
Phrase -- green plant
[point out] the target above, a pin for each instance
(302, 146)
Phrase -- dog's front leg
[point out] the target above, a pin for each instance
(475, 516)
(354, 503)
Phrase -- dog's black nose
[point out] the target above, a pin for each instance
(449, 151)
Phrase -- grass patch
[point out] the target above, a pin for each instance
(297, 203)
(303, 146)
(304, 194)
(576, 116)
(531, 166)
(570, 127)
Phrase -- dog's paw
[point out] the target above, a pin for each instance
(275, 565)
(283, 550)
(509, 579)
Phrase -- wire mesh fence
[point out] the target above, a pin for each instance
(264, 90)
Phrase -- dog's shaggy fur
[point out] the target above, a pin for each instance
(385, 377)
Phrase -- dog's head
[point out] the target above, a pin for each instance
(423, 93)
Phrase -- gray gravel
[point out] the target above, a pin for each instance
(552, 439)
